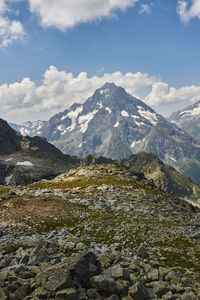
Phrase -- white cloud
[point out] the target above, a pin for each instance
(144, 8)
(10, 30)
(163, 94)
(64, 14)
(25, 100)
(60, 90)
(187, 11)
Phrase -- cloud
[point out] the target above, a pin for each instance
(144, 8)
(60, 90)
(186, 11)
(64, 14)
(10, 30)
(163, 94)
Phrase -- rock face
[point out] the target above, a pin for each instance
(27, 159)
(9, 139)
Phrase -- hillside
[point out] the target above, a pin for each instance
(97, 232)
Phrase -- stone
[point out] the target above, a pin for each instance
(79, 269)
(23, 291)
(94, 294)
(38, 255)
(142, 252)
(160, 288)
(40, 293)
(153, 275)
(113, 297)
(189, 296)
(3, 295)
(138, 291)
(1, 233)
(67, 294)
(4, 275)
(118, 272)
(105, 284)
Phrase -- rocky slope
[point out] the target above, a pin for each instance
(98, 232)
(164, 177)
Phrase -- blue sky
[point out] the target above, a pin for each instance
(55, 53)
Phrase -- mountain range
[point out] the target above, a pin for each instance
(114, 124)
(24, 160)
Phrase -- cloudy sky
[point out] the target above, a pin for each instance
(57, 52)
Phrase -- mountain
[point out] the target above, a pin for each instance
(24, 160)
(109, 123)
(28, 159)
(114, 124)
(188, 119)
(29, 128)
(169, 143)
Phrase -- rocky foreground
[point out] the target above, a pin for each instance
(99, 232)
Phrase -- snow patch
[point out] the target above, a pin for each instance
(80, 145)
(135, 143)
(172, 158)
(100, 105)
(73, 116)
(24, 163)
(151, 117)
(85, 120)
(116, 124)
(7, 179)
(124, 113)
(9, 159)
(62, 129)
(194, 112)
(135, 117)
(104, 92)
(108, 109)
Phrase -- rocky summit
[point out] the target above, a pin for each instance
(110, 123)
(98, 232)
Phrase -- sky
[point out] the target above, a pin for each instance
(56, 53)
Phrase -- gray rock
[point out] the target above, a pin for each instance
(67, 294)
(138, 291)
(105, 284)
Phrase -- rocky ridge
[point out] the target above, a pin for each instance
(97, 232)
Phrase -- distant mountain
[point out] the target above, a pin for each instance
(188, 119)
(29, 128)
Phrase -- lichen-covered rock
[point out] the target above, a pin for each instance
(138, 291)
